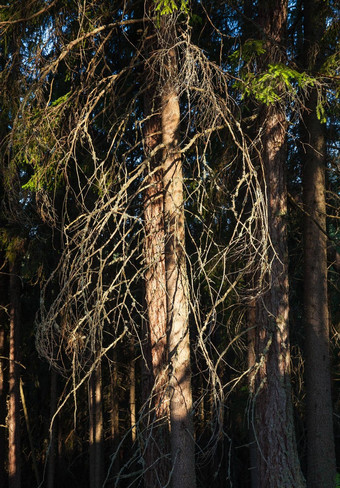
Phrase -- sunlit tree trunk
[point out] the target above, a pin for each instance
(157, 432)
(182, 435)
(132, 393)
(13, 417)
(3, 368)
(320, 436)
(278, 463)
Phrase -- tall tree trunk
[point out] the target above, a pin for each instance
(251, 324)
(278, 464)
(96, 428)
(157, 432)
(52, 449)
(182, 434)
(321, 450)
(3, 369)
(132, 392)
(13, 418)
(115, 411)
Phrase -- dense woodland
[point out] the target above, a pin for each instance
(169, 243)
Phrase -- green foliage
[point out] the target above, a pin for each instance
(337, 480)
(61, 99)
(279, 84)
(274, 84)
(43, 178)
(247, 52)
(165, 7)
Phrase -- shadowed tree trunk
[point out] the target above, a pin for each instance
(321, 450)
(52, 451)
(96, 428)
(251, 335)
(13, 418)
(278, 463)
(182, 435)
(114, 411)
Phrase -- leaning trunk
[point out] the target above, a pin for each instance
(13, 419)
(182, 436)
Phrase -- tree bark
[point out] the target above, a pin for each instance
(52, 449)
(182, 435)
(251, 335)
(115, 411)
(13, 418)
(3, 369)
(96, 428)
(157, 431)
(278, 460)
(321, 464)
(132, 393)
(278, 463)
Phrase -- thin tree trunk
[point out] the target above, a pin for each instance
(3, 369)
(98, 399)
(253, 452)
(52, 449)
(29, 432)
(13, 419)
(320, 436)
(96, 429)
(92, 446)
(115, 411)
(132, 393)
(278, 463)
(182, 434)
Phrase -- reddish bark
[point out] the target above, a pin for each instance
(13, 418)
(321, 449)
(3, 369)
(278, 463)
(182, 435)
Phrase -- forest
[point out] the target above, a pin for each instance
(169, 244)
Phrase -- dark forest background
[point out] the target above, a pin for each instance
(169, 243)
